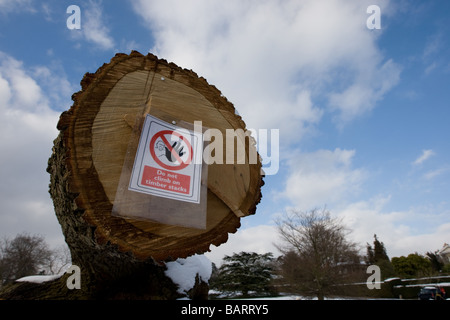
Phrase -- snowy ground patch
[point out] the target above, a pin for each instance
(183, 271)
(39, 279)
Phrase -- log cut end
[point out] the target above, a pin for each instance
(89, 157)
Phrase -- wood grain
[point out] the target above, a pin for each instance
(95, 136)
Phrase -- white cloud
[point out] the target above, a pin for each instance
(436, 173)
(433, 50)
(15, 5)
(276, 61)
(53, 80)
(366, 218)
(426, 154)
(430, 68)
(433, 46)
(403, 232)
(93, 27)
(27, 128)
(259, 239)
(362, 96)
(322, 178)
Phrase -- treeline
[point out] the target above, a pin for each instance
(414, 265)
(318, 260)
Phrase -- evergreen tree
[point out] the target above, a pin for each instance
(378, 256)
(245, 272)
(214, 274)
(436, 262)
(370, 257)
(379, 250)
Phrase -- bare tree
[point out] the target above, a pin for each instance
(317, 254)
(23, 256)
(60, 260)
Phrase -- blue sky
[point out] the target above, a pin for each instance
(363, 114)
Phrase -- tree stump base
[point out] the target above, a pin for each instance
(150, 284)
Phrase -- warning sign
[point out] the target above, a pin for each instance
(168, 162)
(176, 156)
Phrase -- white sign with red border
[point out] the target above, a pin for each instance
(168, 161)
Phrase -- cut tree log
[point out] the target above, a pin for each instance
(89, 157)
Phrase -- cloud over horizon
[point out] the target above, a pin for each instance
(27, 128)
(426, 154)
(322, 178)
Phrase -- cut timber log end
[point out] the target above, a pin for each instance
(88, 158)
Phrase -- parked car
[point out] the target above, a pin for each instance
(432, 293)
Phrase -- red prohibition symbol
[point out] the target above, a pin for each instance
(179, 163)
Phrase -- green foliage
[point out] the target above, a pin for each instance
(245, 272)
(370, 256)
(436, 263)
(379, 250)
(412, 266)
(446, 268)
(387, 269)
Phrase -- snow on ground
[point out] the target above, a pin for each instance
(183, 271)
(39, 279)
(440, 284)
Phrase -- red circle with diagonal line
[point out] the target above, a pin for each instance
(182, 164)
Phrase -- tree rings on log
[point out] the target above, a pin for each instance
(90, 151)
